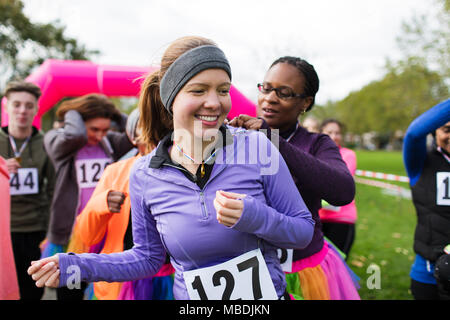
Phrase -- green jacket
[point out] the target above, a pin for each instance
(30, 212)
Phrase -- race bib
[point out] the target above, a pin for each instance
(25, 181)
(245, 277)
(285, 256)
(89, 171)
(443, 188)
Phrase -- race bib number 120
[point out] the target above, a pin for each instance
(244, 277)
(89, 171)
(25, 181)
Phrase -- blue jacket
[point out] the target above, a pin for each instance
(171, 213)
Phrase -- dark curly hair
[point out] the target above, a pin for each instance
(308, 71)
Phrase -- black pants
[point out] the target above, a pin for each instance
(424, 291)
(341, 234)
(26, 249)
(67, 294)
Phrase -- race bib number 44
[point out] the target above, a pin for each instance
(245, 277)
(25, 181)
(89, 171)
(443, 188)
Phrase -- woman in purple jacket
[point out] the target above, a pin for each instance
(290, 85)
(208, 195)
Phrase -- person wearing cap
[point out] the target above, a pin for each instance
(208, 194)
(107, 217)
(32, 179)
(429, 178)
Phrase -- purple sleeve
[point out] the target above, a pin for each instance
(145, 258)
(324, 173)
(284, 221)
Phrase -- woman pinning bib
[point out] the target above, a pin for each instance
(208, 195)
(316, 272)
(80, 150)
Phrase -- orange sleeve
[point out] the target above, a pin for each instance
(92, 222)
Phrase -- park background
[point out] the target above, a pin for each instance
(381, 64)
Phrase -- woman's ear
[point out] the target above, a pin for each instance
(307, 102)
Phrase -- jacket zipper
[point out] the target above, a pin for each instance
(203, 205)
(202, 194)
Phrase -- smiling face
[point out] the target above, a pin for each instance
(443, 137)
(203, 104)
(21, 108)
(282, 113)
(97, 128)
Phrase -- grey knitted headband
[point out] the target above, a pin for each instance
(187, 66)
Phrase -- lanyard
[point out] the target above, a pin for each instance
(445, 156)
(202, 171)
(14, 147)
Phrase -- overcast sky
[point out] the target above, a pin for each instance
(347, 41)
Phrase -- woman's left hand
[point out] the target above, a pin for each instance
(229, 207)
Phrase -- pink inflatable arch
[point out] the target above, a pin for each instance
(67, 78)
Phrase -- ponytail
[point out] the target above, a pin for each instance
(155, 121)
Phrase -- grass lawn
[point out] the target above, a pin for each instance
(384, 232)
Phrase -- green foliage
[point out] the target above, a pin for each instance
(384, 231)
(428, 38)
(410, 86)
(407, 90)
(18, 34)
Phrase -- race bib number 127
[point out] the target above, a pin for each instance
(244, 277)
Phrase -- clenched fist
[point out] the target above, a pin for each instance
(115, 200)
(229, 207)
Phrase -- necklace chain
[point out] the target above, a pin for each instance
(202, 169)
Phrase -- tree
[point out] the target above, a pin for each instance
(411, 85)
(426, 38)
(19, 35)
(408, 89)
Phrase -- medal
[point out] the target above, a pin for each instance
(14, 147)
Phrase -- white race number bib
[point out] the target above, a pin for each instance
(285, 256)
(244, 277)
(25, 181)
(443, 188)
(89, 171)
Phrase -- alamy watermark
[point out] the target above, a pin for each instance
(374, 280)
(74, 278)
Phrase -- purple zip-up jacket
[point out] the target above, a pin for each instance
(171, 213)
(319, 173)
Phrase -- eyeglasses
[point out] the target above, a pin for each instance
(284, 93)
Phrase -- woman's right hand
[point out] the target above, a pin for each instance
(45, 272)
(115, 200)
